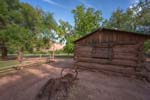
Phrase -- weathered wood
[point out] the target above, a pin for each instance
(84, 54)
(127, 56)
(125, 48)
(117, 49)
(111, 68)
(83, 48)
(125, 63)
(92, 60)
(100, 55)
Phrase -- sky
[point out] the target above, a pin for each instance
(62, 8)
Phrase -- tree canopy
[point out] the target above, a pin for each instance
(25, 27)
(86, 19)
(135, 18)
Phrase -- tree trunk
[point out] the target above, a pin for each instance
(4, 52)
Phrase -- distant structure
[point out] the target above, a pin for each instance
(109, 50)
(54, 47)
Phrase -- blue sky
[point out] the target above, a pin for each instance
(62, 8)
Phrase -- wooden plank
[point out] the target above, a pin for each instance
(83, 48)
(92, 60)
(84, 54)
(125, 48)
(130, 56)
(111, 68)
(100, 55)
(121, 63)
(124, 62)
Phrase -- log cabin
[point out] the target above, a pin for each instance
(110, 50)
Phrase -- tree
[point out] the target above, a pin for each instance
(69, 48)
(65, 33)
(7, 17)
(123, 20)
(143, 15)
(21, 26)
(135, 18)
(86, 19)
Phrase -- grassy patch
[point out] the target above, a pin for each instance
(8, 63)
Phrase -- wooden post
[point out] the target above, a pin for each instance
(20, 57)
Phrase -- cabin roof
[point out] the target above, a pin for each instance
(114, 30)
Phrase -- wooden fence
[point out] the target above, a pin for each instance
(15, 68)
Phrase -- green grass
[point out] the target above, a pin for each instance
(8, 63)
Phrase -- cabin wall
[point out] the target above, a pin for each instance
(109, 51)
(110, 36)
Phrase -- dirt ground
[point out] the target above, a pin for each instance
(25, 84)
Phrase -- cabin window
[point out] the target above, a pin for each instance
(102, 52)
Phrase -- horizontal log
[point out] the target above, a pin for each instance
(111, 68)
(84, 48)
(123, 63)
(83, 54)
(93, 60)
(100, 55)
(125, 48)
(108, 72)
(130, 56)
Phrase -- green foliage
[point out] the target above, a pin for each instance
(136, 19)
(147, 46)
(69, 48)
(86, 19)
(8, 63)
(23, 26)
(131, 19)
(66, 35)
(121, 20)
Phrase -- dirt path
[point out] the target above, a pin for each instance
(25, 84)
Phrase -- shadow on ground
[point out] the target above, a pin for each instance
(25, 84)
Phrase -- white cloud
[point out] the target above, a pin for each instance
(85, 3)
(133, 3)
(54, 3)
